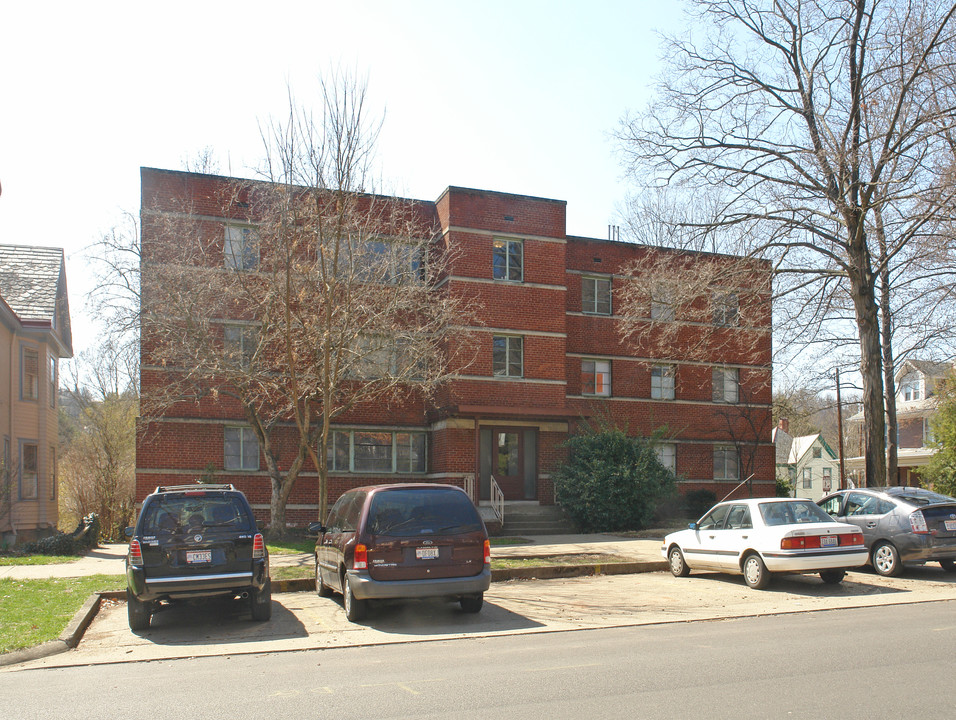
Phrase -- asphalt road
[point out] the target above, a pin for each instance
(881, 662)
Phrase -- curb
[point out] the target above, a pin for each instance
(73, 633)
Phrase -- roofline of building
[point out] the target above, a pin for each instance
(499, 193)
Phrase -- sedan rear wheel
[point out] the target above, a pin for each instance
(886, 560)
(832, 577)
(756, 574)
(948, 565)
(678, 565)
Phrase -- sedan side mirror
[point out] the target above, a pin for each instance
(693, 526)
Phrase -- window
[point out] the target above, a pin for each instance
(807, 478)
(928, 437)
(507, 260)
(241, 449)
(667, 454)
(29, 374)
(662, 382)
(29, 475)
(910, 387)
(596, 377)
(383, 261)
(662, 304)
(240, 343)
(725, 463)
(507, 356)
(827, 479)
(817, 453)
(725, 309)
(726, 385)
(52, 475)
(241, 248)
(596, 295)
(52, 379)
(378, 451)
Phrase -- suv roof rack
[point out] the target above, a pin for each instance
(195, 486)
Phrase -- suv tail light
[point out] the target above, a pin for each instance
(258, 547)
(487, 552)
(135, 553)
(918, 523)
(360, 559)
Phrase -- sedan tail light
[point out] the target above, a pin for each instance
(135, 553)
(918, 523)
(258, 547)
(360, 559)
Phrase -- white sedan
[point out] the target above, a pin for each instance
(761, 536)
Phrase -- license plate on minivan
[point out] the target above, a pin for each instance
(427, 553)
(198, 556)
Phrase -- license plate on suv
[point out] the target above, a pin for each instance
(426, 553)
(950, 525)
(829, 541)
(198, 556)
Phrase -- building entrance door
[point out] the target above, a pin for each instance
(510, 454)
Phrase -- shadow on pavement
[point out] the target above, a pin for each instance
(853, 585)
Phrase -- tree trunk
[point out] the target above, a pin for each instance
(889, 379)
(871, 368)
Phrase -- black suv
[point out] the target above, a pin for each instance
(195, 541)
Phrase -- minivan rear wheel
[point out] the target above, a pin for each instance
(355, 609)
(472, 603)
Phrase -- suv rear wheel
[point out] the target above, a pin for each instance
(261, 602)
(139, 613)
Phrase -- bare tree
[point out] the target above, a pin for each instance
(330, 298)
(807, 117)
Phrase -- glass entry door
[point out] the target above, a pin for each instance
(510, 454)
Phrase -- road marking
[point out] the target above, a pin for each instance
(563, 667)
(403, 686)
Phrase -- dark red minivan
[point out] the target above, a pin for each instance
(403, 541)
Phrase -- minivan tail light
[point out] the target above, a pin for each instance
(258, 547)
(360, 559)
(918, 523)
(487, 552)
(135, 553)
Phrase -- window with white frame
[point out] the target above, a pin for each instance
(507, 259)
(910, 387)
(507, 356)
(385, 261)
(928, 437)
(726, 465)
(726, 385)
(827, 479)
(240, 342)
(378, 451)
(51, 364)
(241, 247)
(596, 295)
(596, 377)
(29, 471)
(52, 474)
(807, 477)
(241, 449)
(29, 373)
(725, 309)
(662, 382)
(662, 304)
(667, 455)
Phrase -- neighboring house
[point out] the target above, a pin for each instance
(34, 336)
(549, 356)
(806, 461)
(915, 406)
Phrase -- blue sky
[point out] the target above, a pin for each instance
(517, 96)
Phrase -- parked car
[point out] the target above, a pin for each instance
(900, 525)
(403, 541)
(760, 537)
(192, 542)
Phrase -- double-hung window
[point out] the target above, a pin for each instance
(240, 344)
(596, 295)
(910, 387)
(507, 260)
(596, 377)
(52, 378)
(726, 309)
(807, 477)
(29, 471)
(662, 382)
(507, 358)
(726, 385)
(241, 449)
(241, 247)
(29, 374)
(379, 451)
(662, 304)
(667, 454)
(726, 466)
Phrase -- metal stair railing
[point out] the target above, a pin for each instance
(497, 501)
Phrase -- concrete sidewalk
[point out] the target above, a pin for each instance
(107, 559)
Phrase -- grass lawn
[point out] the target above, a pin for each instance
(35, 611)
(37, 559)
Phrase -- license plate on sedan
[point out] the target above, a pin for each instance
(829, 541)
(426, 553)
(950, 525)
(198, 556)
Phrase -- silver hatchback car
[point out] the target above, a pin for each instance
(900, 525)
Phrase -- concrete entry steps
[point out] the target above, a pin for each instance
(531, 518)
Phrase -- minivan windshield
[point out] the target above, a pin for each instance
(421, 511)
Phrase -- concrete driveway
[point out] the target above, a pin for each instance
(302, 620)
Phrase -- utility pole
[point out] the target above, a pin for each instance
(840, 431)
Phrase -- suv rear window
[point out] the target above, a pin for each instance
(419, 511)
(179, 513)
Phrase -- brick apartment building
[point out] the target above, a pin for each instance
(549, 357)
